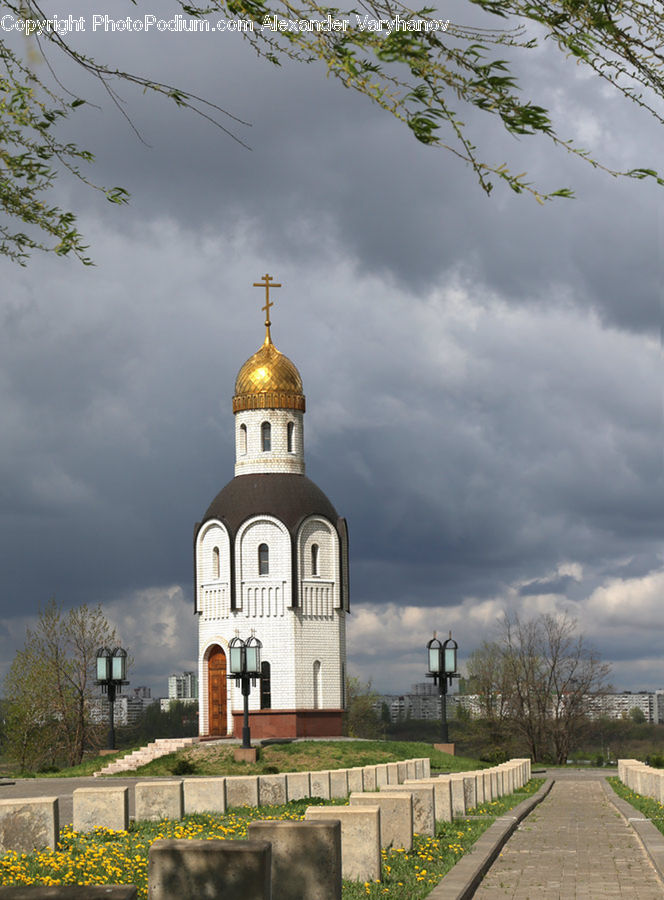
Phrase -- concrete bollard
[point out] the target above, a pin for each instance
(338, 783)
(496, 785)
(242, 790)
(68, 892)
(393, 773)
(458, 794)
(442, 791)
(108, 806)
(508, 777)
(271, 790)
(320, 784)
(402, 772)
(479, 788)
(424, 821)
(488, 793)
(360, 838)
(29, 824)
(381, 774)
(155, 800)
(469, 791)
(369, 778)
(298, 786)
(396, 816)
(355, 779)
(204, 795)
(306, 858)
(411, 768)
(214, 870)
(442, 796)
(523, 771)
(659, 785)
(623, 766)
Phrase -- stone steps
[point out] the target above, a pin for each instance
(153, 750)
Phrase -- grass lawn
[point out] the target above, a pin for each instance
(89, 765)
(650, 808)
(120, 857)
(302, 756)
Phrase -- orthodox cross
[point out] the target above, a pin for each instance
(267, 283)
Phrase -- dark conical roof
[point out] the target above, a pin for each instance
(289, 498)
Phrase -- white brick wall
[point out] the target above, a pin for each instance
(251, 586)
(278, 458)
(213, 592)
(293, 639)
(318, 592)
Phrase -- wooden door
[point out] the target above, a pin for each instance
(217, 691)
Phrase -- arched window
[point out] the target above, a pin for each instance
(266, 686)
(314, 559)
(263, 559)
(243, 439)
(215, 562)
(318, 685)
(290, 428)
(266, 436)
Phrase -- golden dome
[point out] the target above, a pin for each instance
(268, 380)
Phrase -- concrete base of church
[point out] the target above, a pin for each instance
(290, 723)
(445, 748)
(246, 754)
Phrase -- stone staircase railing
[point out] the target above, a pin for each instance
(138, 758)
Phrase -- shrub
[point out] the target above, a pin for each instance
(183, 766)
(495, 756)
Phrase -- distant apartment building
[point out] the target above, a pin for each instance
(413, 706)
(126, 710)
(182, 687)
(658, 707)
(424, 703)
(424, 689)
(620, 705)
(143, 693)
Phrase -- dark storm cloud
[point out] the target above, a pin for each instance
(321, 154)
(558, 585)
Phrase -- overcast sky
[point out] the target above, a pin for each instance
(483, 375)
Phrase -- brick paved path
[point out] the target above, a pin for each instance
(573, 846)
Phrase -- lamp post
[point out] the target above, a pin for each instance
(111, 675)
(442, 659)
(245, 667)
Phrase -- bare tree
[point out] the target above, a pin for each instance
(538, 676)
(50, 682)
(361, 718)
(487, 678)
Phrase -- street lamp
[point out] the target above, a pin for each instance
(442, 659)
(111, 675)
(245, 667)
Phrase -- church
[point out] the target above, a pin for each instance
(271, 560)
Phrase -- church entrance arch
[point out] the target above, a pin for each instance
(217, 718)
